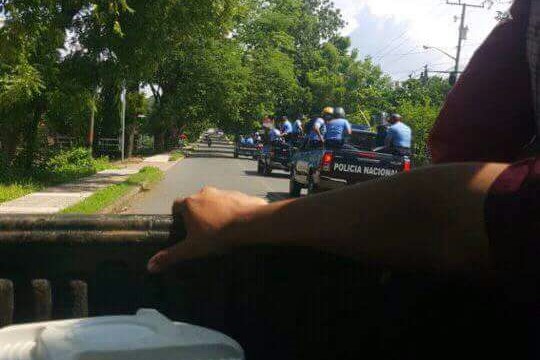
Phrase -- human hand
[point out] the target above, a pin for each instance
(205, 215)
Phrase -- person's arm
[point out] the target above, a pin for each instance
(317, 128)
(348, 128)
(431, 218)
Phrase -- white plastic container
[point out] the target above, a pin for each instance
(148, 335)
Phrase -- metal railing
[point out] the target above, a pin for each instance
(287, 303)
(70, 266)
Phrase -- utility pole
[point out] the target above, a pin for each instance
(123, 118)
(462, 32)
(425, 75)
(92, 119)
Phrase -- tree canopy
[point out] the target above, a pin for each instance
(226, 63)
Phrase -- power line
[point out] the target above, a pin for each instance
(385, 51)
(391, 42)
(412, 52)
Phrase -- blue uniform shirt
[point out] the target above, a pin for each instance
(317, 124)
(399, 135)
(274, 135)
(249, 141)
(286, 127)
(337, 129)
(297, 127)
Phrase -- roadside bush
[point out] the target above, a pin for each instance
(57, 167)
(71, 164)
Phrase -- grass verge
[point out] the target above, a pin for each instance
(108, 196)
(16, 190)
(176, 155)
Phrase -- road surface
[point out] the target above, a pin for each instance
(213, 166)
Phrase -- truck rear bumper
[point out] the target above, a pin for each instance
(280, 166)
(246, 153)
(328, 183)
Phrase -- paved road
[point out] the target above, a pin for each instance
(215, 167)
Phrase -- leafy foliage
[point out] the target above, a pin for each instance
(70, 164)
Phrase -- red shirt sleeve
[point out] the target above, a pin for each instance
(488, 115)
(512, 213)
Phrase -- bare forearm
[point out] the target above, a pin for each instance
(429, 218)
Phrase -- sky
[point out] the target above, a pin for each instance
(393, 32)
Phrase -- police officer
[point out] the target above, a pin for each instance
(297, 128)
(257, 137)
(275, 136)
(316, 128)
(337, 128)
(382, 129)
(398, 137)
(286, 128)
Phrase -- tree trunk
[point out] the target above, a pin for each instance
(131, 139)
(30, 140)
(161, 141)
(10, 142)
(91, 129)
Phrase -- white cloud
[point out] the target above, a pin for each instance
(421, 22)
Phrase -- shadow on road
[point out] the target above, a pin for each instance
(277, 196)
(279, 175)
(211, 151)
(210, 155)
(216, 154)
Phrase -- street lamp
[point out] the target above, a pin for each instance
(453, 74)
(439, 50)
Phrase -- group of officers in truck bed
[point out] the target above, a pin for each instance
(331, 129)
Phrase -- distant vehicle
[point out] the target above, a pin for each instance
(208, 140)
(325, 169)
(274, 157)
(252, 151)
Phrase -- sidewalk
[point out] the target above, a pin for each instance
(56, 198)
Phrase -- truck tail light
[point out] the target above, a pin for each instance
(407, 165)
(327, 159)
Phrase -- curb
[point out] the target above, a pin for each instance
(118, 206)
(173, 162)
(120, 203)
